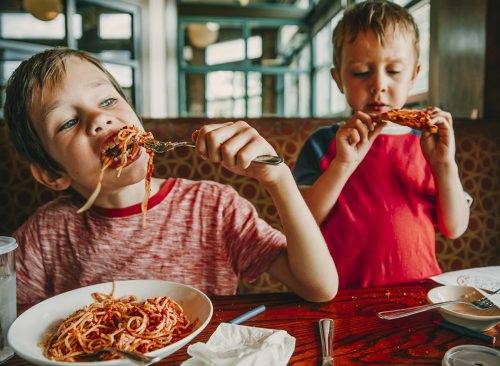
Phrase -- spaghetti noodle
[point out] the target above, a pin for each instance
(124, 323)
(128, 141)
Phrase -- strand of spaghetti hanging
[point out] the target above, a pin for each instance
(124, 147)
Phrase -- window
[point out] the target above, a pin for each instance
(107, 29)
(422, 14)
(243, 68)
(329, 101)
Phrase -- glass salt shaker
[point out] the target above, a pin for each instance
(8, 310)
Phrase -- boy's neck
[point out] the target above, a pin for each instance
(129, 195)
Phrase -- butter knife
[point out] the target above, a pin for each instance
(326, 334)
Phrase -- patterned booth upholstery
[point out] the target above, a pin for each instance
(478, 156)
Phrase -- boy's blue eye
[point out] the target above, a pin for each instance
(108, 102)
(68, 124)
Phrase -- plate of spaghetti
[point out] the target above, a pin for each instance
(151, 317)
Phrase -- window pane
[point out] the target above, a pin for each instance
(7, 68)
(26, 26)
(278, 45)
(291, 95)
(212, 43)
(105, 31)
(254, 91)
(225, 94)
(225, 84)
(422, 18)
(254, 84)
(226, 52)
(304, 95)
(301, 4)
(195, 95)
(270, 92)
(226, 108)
(305, 58)
(333, 24)
(322, 46)
(122, 74)
(255, 107)
(115, 26)
(323, 91)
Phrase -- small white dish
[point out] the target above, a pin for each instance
(29, 329)
(471, 354)
(462, 314)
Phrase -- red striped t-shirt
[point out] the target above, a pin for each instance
(201, 234)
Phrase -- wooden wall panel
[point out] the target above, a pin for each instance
(492, 76)
(457, 56)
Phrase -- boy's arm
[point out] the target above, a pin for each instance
(452, 207)
(354, 139)
(439, 150)
(307, 267)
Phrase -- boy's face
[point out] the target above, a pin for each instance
(73, 119)
(376, 77)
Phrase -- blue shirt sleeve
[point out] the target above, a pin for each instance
(307, 167)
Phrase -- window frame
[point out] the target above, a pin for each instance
(33, 46)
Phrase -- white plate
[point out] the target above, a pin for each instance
(26, 333)
(462, 314)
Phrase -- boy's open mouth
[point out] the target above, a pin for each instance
(111, 148)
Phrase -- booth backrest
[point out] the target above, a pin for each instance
(478, 157)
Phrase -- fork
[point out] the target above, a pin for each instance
(481, 304)
(326, 326)
(136, 358)
(161, 147)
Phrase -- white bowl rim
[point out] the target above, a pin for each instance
(474, 317)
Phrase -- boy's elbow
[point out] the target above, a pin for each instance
(454, 232)
(324, 294)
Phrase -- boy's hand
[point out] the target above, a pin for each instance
(235, 145)
(439, 148)
(355, 138)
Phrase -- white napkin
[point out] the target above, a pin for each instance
(486, 278)
(239, 345)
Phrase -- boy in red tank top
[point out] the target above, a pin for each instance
(377, 189)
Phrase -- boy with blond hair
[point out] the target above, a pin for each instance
(62, 109)
(378, 190)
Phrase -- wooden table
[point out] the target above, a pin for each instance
(361, 338)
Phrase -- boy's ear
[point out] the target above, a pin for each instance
(416, 72)
(54, 181)
(335, 75)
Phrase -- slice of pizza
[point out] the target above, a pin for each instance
(414, 118)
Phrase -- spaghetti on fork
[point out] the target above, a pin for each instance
(126, 147)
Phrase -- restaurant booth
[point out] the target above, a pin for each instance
(168, 61)
(478, 157)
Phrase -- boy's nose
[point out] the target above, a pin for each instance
(378, 85)
(99, 124)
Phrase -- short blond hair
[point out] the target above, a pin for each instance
(378, 17)
(44, 69)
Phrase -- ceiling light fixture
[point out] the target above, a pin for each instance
(201, 35)
(43, 9)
